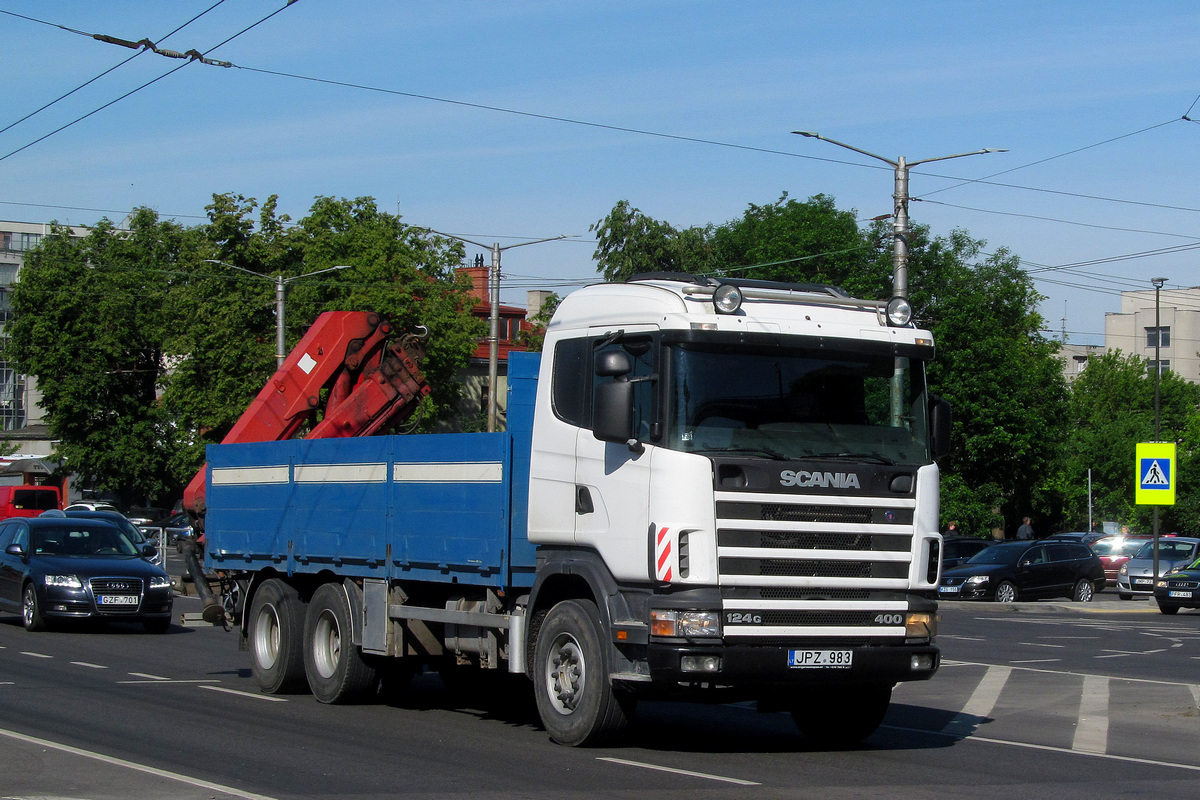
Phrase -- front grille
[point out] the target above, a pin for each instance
(811, 618)
(813, 540)
(800, 513)
(1183, 584)
(807, 568)
(117, 588)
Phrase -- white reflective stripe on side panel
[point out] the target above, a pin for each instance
(233, 476)
(459, 472)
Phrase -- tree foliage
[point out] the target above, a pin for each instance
(149, 343)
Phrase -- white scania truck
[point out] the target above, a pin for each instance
(714, 490)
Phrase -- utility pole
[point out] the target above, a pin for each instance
(1158, 284)
(494, 315)
(280, 307)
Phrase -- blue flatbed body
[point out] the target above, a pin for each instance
(448, 508)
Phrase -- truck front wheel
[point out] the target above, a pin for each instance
(576, 701)
(337, 672)
(275, 633)
(843, 717)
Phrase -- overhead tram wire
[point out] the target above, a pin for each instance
(202, 56)
(1060, 221)
(113, 68)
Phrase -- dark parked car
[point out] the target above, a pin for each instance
(56, 568)
(1179, 589)
(1007, 571)
(957, 549)
(1136, 576)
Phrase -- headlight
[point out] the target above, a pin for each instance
(899, 312)
(685, 623)
(977, 579)
(1124, 570)
(727, 298)
(65, 581)
(1161, 584)
(160, 582)
(920, 627)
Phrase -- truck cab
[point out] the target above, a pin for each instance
(743, 474)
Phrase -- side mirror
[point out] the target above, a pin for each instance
(939, 427)
(149, 551)
(15, 550)
(613, 364)
(612, 412)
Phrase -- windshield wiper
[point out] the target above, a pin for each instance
(878, 458)
(757, 451)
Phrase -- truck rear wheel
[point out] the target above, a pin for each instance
(842, 717)
(337, 672)
(576, 701)
(275, 633)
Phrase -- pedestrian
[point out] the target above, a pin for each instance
(1026, 530)
(951, 530)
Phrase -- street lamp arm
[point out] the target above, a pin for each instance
(310, 274)
(812, 135)
(984, 151)
(240, 269)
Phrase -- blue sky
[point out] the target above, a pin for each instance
(1088, 98)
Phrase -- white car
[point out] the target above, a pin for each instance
(1136, 576)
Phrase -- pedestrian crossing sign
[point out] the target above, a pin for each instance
(1155, 476)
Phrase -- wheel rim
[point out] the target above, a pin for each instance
(327, 645)
(1085, 591)
(566, 674)
(29, 606)
(1005, 593)
(266, 636)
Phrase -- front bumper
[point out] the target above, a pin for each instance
(750, 666)
(1136, 585)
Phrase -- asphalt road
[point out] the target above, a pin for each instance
(1038, 699)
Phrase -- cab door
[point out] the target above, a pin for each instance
(612, 479)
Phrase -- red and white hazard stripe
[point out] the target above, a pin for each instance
(664, 555)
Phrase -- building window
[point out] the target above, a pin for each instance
(1162, 366)
(1158, 337)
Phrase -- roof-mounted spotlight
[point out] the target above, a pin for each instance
(899, 312)
(727, 298)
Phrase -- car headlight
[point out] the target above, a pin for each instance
(684, 623)
(160, 582)
(1161, 584)
(977, 579)
(65, 581)
(1124, 570)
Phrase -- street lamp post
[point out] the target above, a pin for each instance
(900, 213)
(494, 313)
(1158, 284)
(280, 308)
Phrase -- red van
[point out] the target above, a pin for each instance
(28, 501)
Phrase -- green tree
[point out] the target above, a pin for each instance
(535, 337)
(402, 273)
(89, 325)
(630, 243)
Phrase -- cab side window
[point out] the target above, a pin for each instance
(7, 530)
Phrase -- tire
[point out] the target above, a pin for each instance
(1085, 591)
(576, 701)
(840, 718)
(337, 672)
(31, 610)
(275, 634)
(157, 625)
(1006, 592)
(1168, 608)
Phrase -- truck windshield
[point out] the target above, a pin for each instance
(796, 404)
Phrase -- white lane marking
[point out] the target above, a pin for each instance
(1040, 644)
(982, 701)
(89, 666)
(1036, 661)
(1053, 749)
(246, 694)
(120, 762)
(35, 655)
(149, 677)
(674, 771)
(1195, 690)
(165, 681)
(1091, 730)
(1072, 673)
